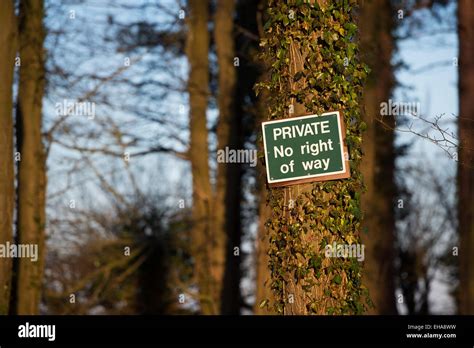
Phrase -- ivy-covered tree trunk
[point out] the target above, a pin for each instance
(378, 162)
(7, 193)
(32, 167)
(466, 155)
(311, 49)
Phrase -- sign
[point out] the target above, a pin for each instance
(305, 149)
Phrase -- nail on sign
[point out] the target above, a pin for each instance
(305, 149)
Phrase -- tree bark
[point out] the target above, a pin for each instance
(7, 192)
(197, 50)
(378, 161)
(466, 155)
(263, 294)
(31, 171)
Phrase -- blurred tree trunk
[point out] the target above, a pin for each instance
(305, 46)
(466, 154)
(7, 192)
(250, 16)
(227, 204)
(378, 161)
(197, 47)
(32, 167)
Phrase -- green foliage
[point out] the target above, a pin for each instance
(331, 79)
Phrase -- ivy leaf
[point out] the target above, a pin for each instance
(267, 25)
(337, 279)
(298, 76)
(366, 69)
(316, 262)
(351, 28)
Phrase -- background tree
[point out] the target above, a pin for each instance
(466, 154)
(378, 161)
(197, 48)
(7, 193)
(131, 257)
(305, 45)
(228, 186)
(426, 236)
(31, 187)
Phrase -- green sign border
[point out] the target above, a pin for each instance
(344, 173)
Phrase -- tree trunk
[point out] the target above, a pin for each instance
(378, 162)
(197, 48)
(305, 46)
(227, 202)
(31, 171)
(466, 155)
(264, 295)
(7, 193)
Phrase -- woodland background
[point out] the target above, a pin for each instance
(133, 214)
